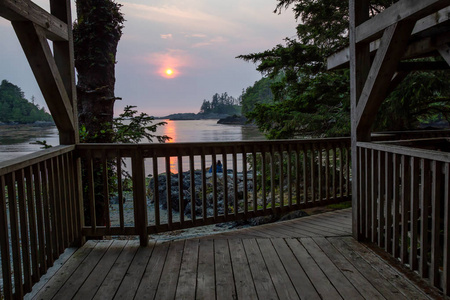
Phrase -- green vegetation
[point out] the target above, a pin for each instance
(342, 205)
(311, 101)
(14, 108)
(221, 104)
(259, 93)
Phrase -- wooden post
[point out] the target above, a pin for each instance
(359, 68)
(140, 203)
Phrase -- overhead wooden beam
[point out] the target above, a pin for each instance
(26, 10)
(36, 48)
(444, 50)
(407, 10)
(423, 27)
(393, 44)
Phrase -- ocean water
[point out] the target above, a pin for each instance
(16, 141)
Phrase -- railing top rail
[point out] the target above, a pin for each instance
(402, 150)
(21, 162)
(203, 148)
(213, 144)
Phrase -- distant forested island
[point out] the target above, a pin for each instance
(230, 110)
(15, 109)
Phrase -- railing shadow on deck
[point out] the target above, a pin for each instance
(42, 211)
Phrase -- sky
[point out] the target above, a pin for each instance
(197, 39)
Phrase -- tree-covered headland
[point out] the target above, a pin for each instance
(311, 101)
(15, 108)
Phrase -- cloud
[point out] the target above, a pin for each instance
(196, 35)
(166, 36)
(189, 18)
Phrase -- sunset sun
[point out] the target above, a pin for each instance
(169, 72)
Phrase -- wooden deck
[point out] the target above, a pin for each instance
(309, 258)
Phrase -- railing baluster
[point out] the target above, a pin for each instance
(435, 225)
(180, 189)
(362, 189)
(91, 193)
(368, 177)
(381, 197)
(446, 270)
(374, 198)
(40, 217)
(281, 175)
(396, 207)
(341, 171)
(156, 189)
(327, 173)
(23, 224)
(320, 171)
(313, 174)
(389, 170)
(425, 196)
(56, 228)
(4, 242)
(64, 199)
(289, 175)
(406, 203)
(15, 239)
(244, 172)
(225, 183)
(120, 192)
(272, 177)
(70, 199)
(61, 220)
(48, 223)
(333, 149)
(214, 179)
(192, 183)
(169, 192)
(347, 171)
(105, 178)
(255, 183)
(204, 211)
(235, 183)
(414, 196)
(263, 184)
(297, 175)
(305, 179)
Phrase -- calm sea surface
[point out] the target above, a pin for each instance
(15, 140)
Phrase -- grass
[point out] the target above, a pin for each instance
(342, 205)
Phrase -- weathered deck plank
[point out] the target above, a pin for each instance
(307, 258)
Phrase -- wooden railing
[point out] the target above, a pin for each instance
(39, 215)
(404, 206)
(263, 178)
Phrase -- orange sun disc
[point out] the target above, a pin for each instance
(169, 72)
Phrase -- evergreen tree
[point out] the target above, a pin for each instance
(14, 108)
(309, 100)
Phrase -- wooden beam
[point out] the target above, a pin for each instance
(423, 27)
(26, 10)
(444, 50)
(64, 57)
(36, 48)
(408, 10)
(393, 44)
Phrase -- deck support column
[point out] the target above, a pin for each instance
(359, 69)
